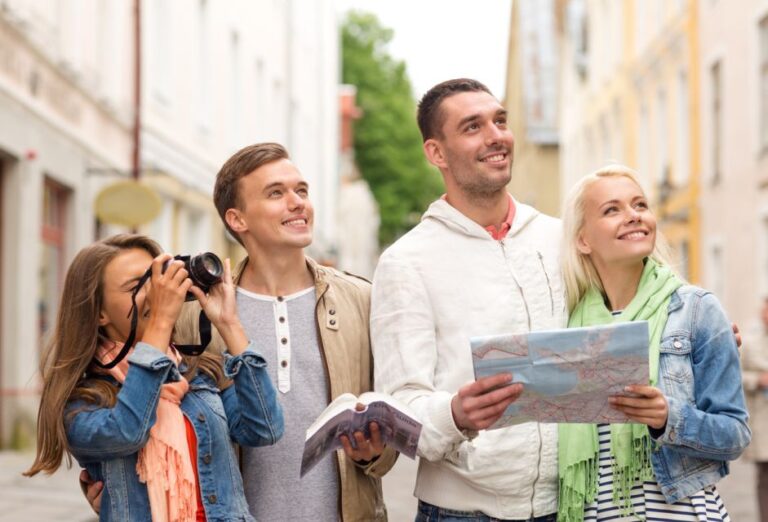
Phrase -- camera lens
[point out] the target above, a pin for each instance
(205, 270)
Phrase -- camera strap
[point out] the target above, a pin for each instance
(204, 324)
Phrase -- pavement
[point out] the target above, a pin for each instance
(58, 497)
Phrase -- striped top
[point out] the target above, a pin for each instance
(647, 500)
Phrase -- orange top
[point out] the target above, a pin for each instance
(192, 442)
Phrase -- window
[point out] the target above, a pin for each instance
(682, 140)
(717, 272)
(662, 140)
(715, 79)
(51, 269)
(764, 83)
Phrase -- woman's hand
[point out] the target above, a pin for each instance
(648, 406)
(220, 305)
(164, 299)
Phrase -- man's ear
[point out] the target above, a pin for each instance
(582, 245)
(433, 150)
(234, 219)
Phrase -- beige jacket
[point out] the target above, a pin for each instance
(754, 362)
(342, 313)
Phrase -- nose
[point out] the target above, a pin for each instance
(493, 135)
(633, 216)
(295, 201)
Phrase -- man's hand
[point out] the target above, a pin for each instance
(737, 335)
(648, 406)
(92, 490)
(479, 404)
(367, 449)
(762, 381)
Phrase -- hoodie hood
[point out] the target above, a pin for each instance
(448, 215)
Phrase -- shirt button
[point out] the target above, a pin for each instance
(282, 319)
(201, 417)
(207, 459)
(332, 321)
(280, 298)
(284, 363)
(284, 340)
(677, 344)
(332, 311)
(212, 499)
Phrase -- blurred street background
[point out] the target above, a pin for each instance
(115, 115)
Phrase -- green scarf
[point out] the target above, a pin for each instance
(630, 443)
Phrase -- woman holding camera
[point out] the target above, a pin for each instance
(691, 419)
(160, 441)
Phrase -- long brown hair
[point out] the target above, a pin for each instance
(66, 365)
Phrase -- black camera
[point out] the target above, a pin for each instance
(205, 270)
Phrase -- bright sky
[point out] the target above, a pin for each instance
(444, 39)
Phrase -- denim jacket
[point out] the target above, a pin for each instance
(700, 377)
(106, 441)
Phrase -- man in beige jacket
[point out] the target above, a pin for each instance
(310, 322)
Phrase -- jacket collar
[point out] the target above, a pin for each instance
(444, 212)
(323, 289)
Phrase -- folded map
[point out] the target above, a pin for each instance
(568, 374)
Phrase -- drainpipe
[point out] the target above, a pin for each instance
(136, 158)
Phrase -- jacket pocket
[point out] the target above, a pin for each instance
(675, 368)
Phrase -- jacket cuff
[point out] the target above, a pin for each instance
(150, 358)
(444, 422)
(250, 357)
(380, 464)
(675, 423)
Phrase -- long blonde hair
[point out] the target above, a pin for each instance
(579, 273)
(66, 365)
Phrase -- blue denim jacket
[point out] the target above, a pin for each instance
(700, 376)
(106, 441)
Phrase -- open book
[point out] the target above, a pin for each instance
(398, 427)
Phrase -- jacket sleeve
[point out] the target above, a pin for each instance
(715, 427)
(405, 354)
(96, 434)
(255, 417)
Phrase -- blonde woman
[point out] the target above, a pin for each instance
(160, 441)
(691, 419)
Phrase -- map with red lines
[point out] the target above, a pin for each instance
(568, 374)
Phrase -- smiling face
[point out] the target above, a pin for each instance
(276, 211)
(618, 228)
(475, 147)
(121, 275)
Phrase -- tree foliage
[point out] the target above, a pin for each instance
(387, 139)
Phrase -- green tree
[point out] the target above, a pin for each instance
(387, 139)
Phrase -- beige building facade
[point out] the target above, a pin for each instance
(734, 155)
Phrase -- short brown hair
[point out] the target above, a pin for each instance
(242, 163)
(429, 117)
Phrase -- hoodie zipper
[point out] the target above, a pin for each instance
(519, 288)
(538, 470)
(549, 283)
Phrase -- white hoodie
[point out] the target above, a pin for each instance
(440, 284)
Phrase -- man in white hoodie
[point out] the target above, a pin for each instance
(479, 263)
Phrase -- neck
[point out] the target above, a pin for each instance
(282, 273)
(485, 210)
(620, 283)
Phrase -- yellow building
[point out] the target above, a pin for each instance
(629, 93)
(531, 100)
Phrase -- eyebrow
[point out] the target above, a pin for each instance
(300, 184)
(473, 117)
(615, 201)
